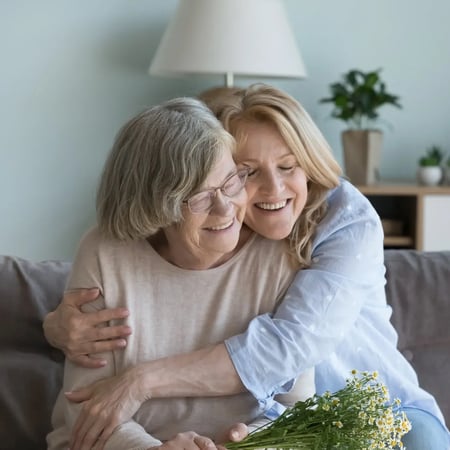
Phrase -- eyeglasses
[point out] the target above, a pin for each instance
(204, 200)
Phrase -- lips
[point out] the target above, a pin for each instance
(271, 206)
(221, 227)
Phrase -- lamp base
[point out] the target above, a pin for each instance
(229, 79)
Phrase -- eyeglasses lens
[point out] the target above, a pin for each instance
(203, 201)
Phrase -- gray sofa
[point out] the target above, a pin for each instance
(418, 286)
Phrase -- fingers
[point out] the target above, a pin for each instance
(204, 443)
(78, 396)
(82, 334)
(188, 440)
(75, 437)
(83, 356)
(93, 347)
(89, 341)
(85, 337)
(86, 430)
(107, 432)
(106, 346)
(79, 297)
(87, 361)
(238, 432)
(106, 315)
(92, 428)
(92, 333)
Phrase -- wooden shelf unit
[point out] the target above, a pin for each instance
(424, 212)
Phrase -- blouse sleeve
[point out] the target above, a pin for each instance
(322, 303)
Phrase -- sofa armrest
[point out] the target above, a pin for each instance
(418, 289)
(31, 370)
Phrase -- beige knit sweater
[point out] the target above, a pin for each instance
(173, 310)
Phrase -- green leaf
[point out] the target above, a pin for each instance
(358, 96)
(371, 79)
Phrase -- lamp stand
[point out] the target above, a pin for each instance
(229, 79)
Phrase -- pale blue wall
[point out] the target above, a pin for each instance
(72, 72)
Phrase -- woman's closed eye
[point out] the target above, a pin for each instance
(253, 173)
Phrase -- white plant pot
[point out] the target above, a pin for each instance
(447, 175)
(429, 176)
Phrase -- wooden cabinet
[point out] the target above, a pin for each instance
(413, 216)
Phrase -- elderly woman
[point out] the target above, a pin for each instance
(170, 247)
(334, 315)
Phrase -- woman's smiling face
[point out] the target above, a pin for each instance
(209, 237)
(276, 185)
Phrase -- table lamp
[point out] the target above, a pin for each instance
(229, 37)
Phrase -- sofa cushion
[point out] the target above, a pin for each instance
(31, 370)
(418, 289)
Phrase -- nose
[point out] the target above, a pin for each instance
(222, 204)
(272, 183)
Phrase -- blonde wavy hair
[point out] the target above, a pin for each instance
(261, 103)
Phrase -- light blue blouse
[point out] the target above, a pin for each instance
(334, 316)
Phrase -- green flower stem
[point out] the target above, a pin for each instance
(359, 416)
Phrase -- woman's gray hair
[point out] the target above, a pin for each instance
(159, 158)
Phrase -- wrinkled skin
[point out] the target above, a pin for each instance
(81, 335)
(192, 441)
(116, 400)
(121, 394)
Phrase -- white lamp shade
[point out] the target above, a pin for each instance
(242, 37)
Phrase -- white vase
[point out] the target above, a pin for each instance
(447, 175)
(429, 175)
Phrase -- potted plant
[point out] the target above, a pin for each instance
(356, 100)
(430, 170)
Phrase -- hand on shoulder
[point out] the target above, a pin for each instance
(82, 335)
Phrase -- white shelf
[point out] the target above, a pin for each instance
(423, 210)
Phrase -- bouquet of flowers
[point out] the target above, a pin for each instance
(357, 417)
